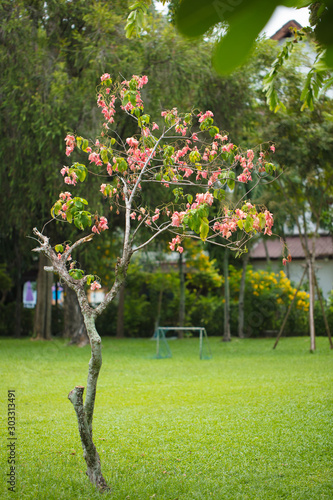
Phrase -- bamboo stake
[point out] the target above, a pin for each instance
(323, 311)
(289, 309)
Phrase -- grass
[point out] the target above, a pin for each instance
(251, 423)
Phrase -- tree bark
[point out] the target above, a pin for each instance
(181, 317)
(226, 332)
(42, 319)
(241, 297)
(18, 284)
(120, 315)
(74, 326)
(312, 300)
(84, 411)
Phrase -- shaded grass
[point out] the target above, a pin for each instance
(251, 423)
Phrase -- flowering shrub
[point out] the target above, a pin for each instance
(203, 159)
(267, 298)
(192, 161)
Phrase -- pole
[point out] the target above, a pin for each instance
(323, 311)
(289, 309)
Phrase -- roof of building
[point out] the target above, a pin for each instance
(285, 31)
(323, 247)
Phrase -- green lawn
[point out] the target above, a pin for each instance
(251, 423)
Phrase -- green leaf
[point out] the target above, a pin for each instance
(213, 131)
(81, 171)
(77, 274)
(204, 229)
(59, 248)
(248, 20)
(90, 279)
(56, 208)
(85, 144)
(248, 224)
(121, 164)
(104, 156)
(231, 181)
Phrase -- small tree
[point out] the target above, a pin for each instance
(201, 171)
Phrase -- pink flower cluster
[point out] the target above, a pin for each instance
(95, 158)
(202, 117)
(201, 198)
(95, 285)
(247, 164)
(70, 143)
(71, 177)
(285, 260)
(106, 76)
(65, 197)
(176, 243)
(108, 110)
(230, 223)
(101, 225)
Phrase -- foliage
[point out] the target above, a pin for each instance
(177, 428)
(267, 297)
(240, 25)
(150, 159)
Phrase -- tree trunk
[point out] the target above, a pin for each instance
(241, 297)
(181, 317)
(312, 300)
(268, 260)
(18, 284)
(226, 332)
(120, 315)
(74, 326)
(42, 320)
(159, 308)
(84, 411)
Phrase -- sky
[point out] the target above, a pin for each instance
(281, 16)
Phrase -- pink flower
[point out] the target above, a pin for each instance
(103, 224)
(205, 115)
(142, 81)
(272, 148)
(95, 158)
(106, 76)
(102, 190)
(155, 126)
(95, 285)
(228, 147)
(250, 154)
(176, 219)
(133, 215)
(133, 143)
(180, 249)
(284, 261)
(194, 137)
